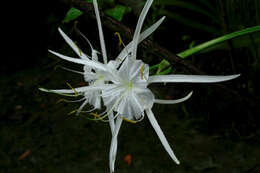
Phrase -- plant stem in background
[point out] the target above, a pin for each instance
(218, 40)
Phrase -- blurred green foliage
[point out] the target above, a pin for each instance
(113, 10)
(72, 14)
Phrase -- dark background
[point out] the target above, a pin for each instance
(217, 130)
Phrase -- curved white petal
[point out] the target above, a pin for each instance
(101, 36)
(81, 107)
(112, 127)
(160, 134)
(113, 146)
(150, 30)
(73, 45)
(190, 78)
(139, 26)
(173, 101)
(90, 63)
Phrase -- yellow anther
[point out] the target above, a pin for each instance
(142, 72)
(72, 112)
(130, 121)
(95, 115)
(119, 38)
(76, 93)
(80, 52)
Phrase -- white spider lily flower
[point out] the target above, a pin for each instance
(123, 83)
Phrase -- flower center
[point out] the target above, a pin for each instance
(101, 77)
(129, 85)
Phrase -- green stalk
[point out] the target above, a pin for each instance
(213, 42)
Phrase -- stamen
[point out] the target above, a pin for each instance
(69, 101)
(112, 118)
(117, 102)
(72, 112)
(119, 38)
(80, 52)
(130, 121)
(96, 115)
(142, 72)
(76, 93)
(82, 35)
(88, 110)
(64, 68)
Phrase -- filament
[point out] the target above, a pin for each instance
(119, 38)
(76, 93)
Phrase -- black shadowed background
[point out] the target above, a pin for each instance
(216, 131)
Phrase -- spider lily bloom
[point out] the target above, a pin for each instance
(127, 94)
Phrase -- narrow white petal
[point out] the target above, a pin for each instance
(139, 25)
(113, 147)
(79, 89)
(90, 63)
(111, 122)
(190, 78)
(150, 30)
(160, 134)
(173, 101)
(72, 45)
(101, 36)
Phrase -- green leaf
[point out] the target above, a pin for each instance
(162, 66)
(218, 40)
(72, 14)
(239, 42)
(118, 12)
